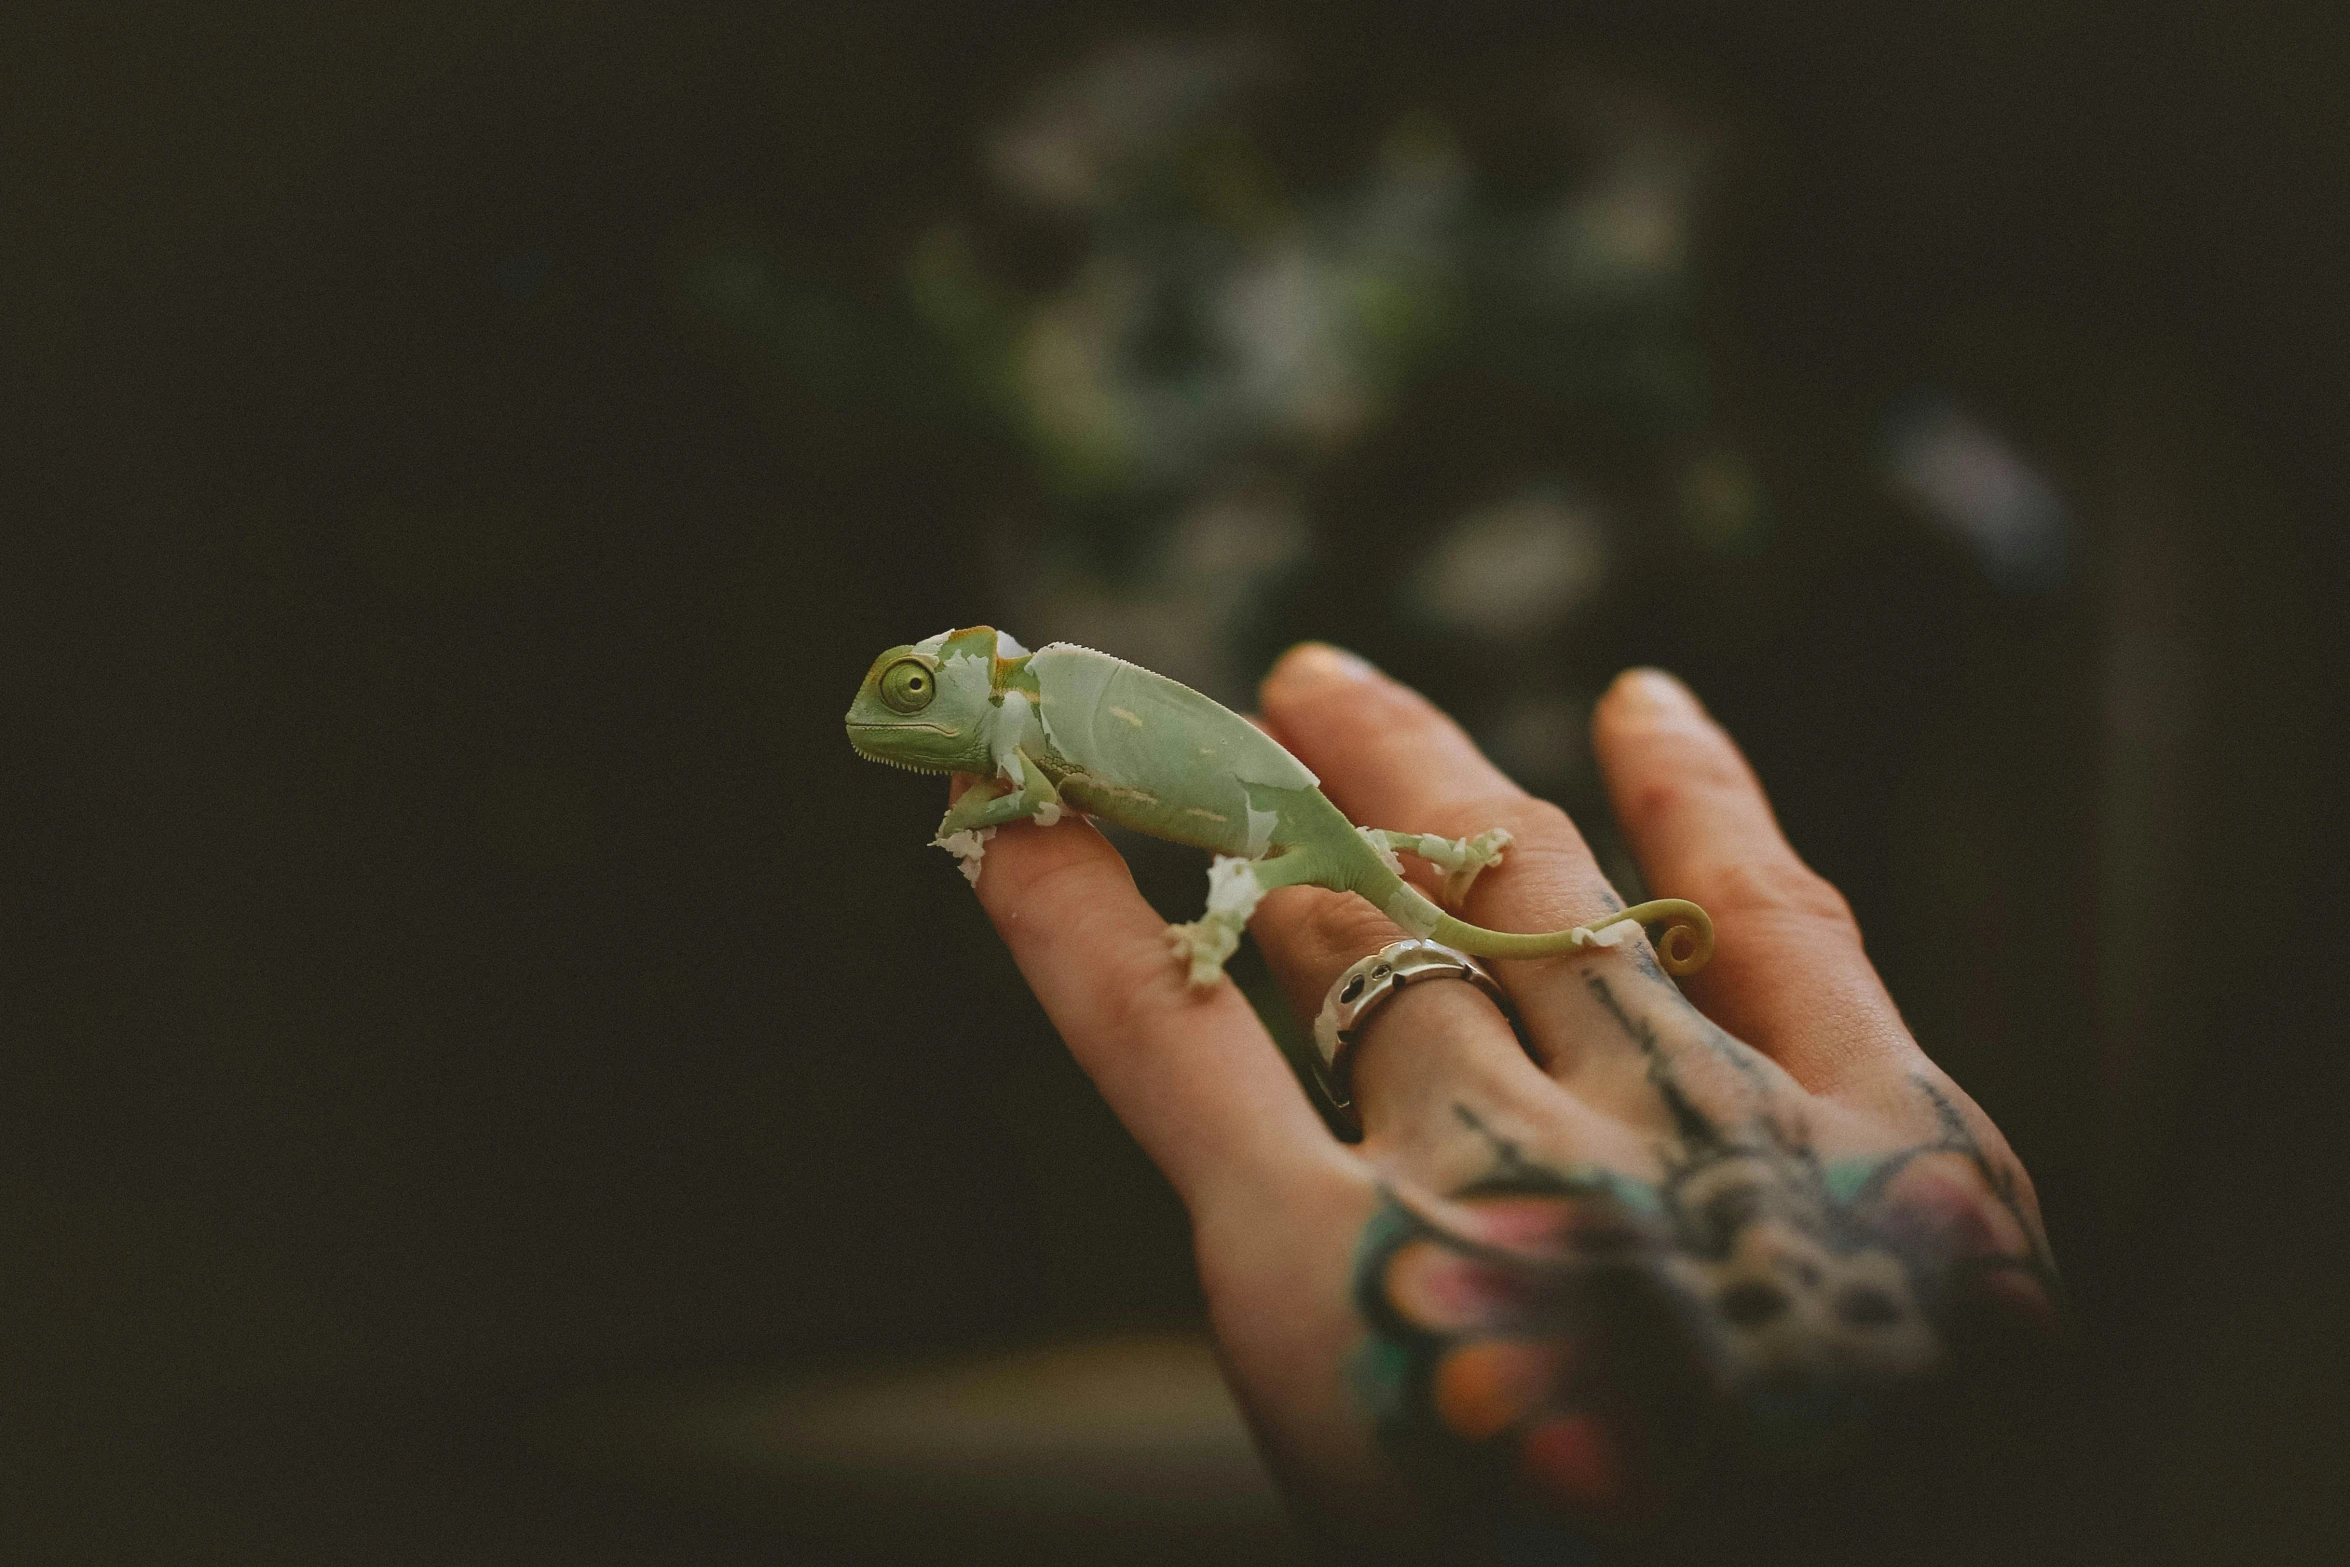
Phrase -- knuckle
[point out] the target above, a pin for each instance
(1142, 997)
(1403, 732)
(1528, 817)
(1393, 699)
(1695, 778)
(1781, 888)
(1535, 826)
(1020, 880)
(1681, 732)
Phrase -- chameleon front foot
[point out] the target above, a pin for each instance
(1203, 945)
(968, 847)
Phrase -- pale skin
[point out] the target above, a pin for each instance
(1837, 1215)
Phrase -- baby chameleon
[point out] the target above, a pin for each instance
(1066, 727)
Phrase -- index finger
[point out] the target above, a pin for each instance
(1191, 1072)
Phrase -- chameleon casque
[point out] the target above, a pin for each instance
(1068, 728)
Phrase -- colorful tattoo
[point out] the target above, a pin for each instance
(1581, 1347)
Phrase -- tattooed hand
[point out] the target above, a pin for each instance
(1663, 1281)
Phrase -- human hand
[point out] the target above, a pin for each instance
(1662, 1275)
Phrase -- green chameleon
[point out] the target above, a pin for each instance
(1066, 727)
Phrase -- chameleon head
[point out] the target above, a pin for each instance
(923, 705)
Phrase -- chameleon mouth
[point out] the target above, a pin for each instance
(891, 761)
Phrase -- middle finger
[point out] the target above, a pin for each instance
(1390, 759)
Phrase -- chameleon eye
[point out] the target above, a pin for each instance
(908, 686)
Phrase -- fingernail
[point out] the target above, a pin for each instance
(1321, 661)
(1645, 689)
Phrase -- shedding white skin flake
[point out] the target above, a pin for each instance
(1413, 912)
(1614, 936)
(1233, 895)
(1233, 888)
(1011, 724)
(1008, 646)
(968, 847)
(1260, 831)
(1378, 842)
(967, 679)
(1007, 727)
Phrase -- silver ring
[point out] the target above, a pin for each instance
(1357, 993)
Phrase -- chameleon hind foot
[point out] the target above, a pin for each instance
(1203, 945)
(1461, 859)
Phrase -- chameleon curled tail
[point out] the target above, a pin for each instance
(1369, 866)
(1683, 947)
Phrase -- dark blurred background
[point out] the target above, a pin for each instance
(490, 1077)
